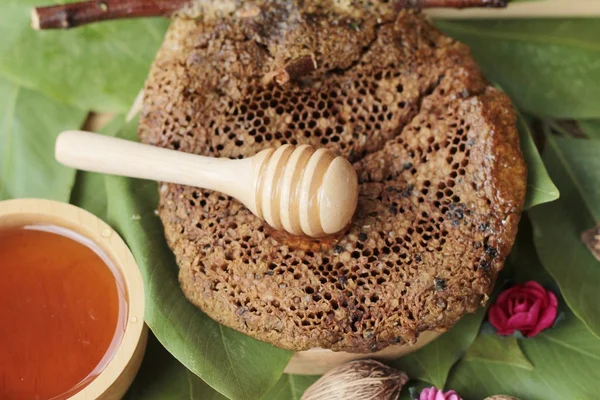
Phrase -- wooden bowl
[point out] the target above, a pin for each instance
(115, 379)
(319, 361)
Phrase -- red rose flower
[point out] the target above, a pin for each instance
(528, 308)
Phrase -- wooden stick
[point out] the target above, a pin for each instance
(76, 14)
(71, 15)
(526, 9)
(400, 4)
(299, 190)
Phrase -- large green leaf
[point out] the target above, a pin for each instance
(549, 67)
(29, 124)
(234, 364)
(433, 362)
(291, 387)
(591, 128)
(497, 349)
(566, 360)
(540, 188)
(574, 166)
(162, 377)
(100, 67)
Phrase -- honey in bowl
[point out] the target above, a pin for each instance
(63, 312)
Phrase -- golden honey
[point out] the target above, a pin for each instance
(62, 312)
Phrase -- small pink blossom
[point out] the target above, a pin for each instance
(528, 308)
(433, 393)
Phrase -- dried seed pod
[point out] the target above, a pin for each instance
(501, 397)
(358, 380)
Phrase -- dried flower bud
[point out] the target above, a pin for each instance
(358, 380)
(591, 238)
(501, 397)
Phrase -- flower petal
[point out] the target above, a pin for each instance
(497, 317)
(452, 395)
(535, 294)
(535, 310)
(440, 395)
(521, 307)
(505, 295)
(546, 320)
(510, 304)
(535, 286)
(428, 393)
(552, 298)
(522, 321)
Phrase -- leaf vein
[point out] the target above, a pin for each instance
(292, 387)
(571, 347)
(226, 348)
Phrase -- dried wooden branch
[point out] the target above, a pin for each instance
(64, 16)
(296, 69)
(450, 3)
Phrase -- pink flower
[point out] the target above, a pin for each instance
(529, 308)
(433, 393)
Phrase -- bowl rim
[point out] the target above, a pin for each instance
(20, 211)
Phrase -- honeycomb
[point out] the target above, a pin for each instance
(442, 179)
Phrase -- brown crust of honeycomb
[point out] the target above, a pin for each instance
(442, 179)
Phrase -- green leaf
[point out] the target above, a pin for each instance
(566, 359)
(29, 124)
(540, 188)
(591, 128)
(549, 67)
(523, 263)
(433, 362)
(291, 387)
(234, 364)
(574, 166)
(89, 191)
(492, 348)
(99, 67)
(162, 377)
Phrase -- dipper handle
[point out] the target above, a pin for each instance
(108, 155)
(297, 189)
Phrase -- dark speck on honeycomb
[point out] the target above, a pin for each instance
(442, 179)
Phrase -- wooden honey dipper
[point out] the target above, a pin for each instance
(298, 189)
